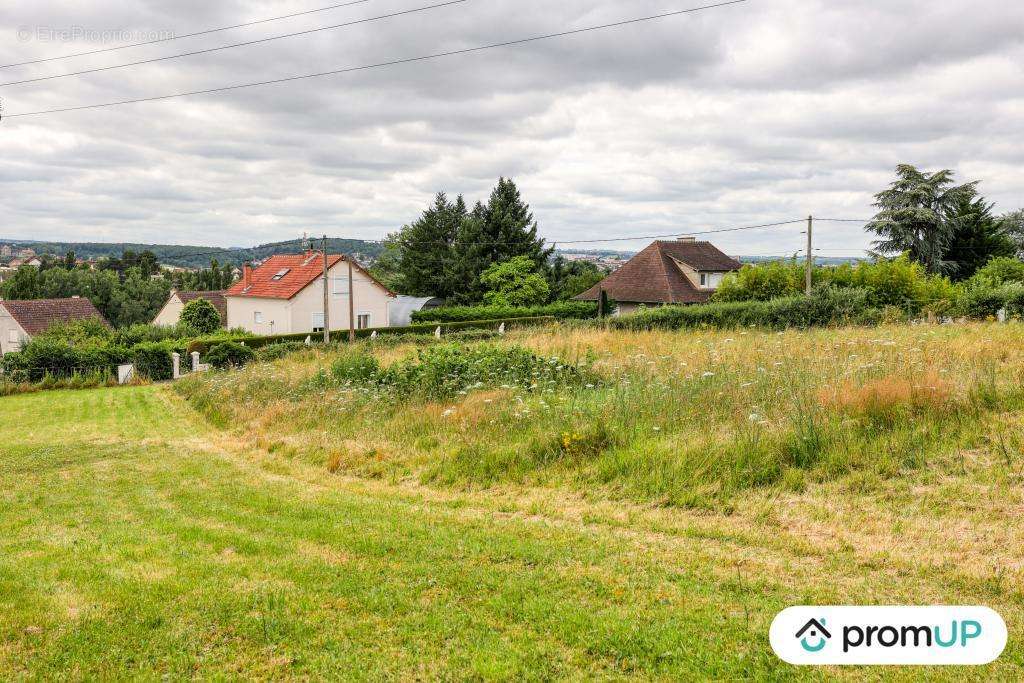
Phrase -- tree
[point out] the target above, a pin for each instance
(569, 278)
(514, 282)
(425, 246)
(500, 230)
(1012, 225)
(977, 238)
(914, 215)
(201, 316)
(23, 285)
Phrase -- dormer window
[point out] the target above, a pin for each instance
(280, 274)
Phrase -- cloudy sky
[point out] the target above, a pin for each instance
(752, 113)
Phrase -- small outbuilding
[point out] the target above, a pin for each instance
(170, 314)
(402, 308)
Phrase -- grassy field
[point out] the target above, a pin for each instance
(646, 521)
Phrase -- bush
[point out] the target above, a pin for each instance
(985, 302)
(997, 272)
(201, 316)
(888, 282)
(229, 354)
(579, 310)
(445, 370)
(153, 360)
(78, 331)
(45, 356)
(826, 306)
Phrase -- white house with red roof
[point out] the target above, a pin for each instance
(285, 295)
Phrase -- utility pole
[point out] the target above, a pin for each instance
(327, 301)
(351, 303)
(810, 253)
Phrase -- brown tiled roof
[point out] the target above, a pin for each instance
(653, 277)
(303, 270)
(36, 315)
(214, 297)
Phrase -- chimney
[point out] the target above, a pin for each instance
(246, 275)
(688, 240)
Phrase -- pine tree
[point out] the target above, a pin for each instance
(426, 260)
(978, 237)
(501, 230)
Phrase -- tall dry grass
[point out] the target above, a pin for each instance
(678, 419)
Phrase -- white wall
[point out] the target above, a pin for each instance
(170, 313)
(12, 335)
(296, 315)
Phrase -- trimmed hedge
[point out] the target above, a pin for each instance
(153, 360)
(985, 302)
(56, 358)
(564, 310)
(203, 346)
(827, 306)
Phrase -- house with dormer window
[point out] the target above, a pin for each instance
(682, 271)
(285, 295)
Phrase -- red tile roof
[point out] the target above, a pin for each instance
(303, 270)
(654, 277)
(36, 315)
(215, 297)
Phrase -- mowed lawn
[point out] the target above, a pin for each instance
(138, 541)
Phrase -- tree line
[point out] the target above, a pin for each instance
(127, 290)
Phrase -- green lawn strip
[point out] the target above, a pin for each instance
(153, 556)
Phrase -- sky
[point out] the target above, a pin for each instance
(757, 112)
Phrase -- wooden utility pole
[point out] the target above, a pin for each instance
(810, 253)
(351, 303)
(327, 301)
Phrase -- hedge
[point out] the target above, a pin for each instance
(565, 310)
(827, 306)
(253, 342)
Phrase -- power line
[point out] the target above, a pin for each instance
(366, 67)
(186, 35)
(234, 45)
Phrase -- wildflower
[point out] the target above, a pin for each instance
(754, 417)
(708, 374)
(447, 413)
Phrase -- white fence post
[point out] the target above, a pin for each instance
(125, 373)
(195, 361)
(176, 359)
(437, 332)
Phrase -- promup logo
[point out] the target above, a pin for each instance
(888, 635)
(817, 633)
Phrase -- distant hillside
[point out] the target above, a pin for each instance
(190, 255)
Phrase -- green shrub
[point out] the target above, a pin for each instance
(229, 354)
(355, 366)
(997, 272)
(888, 282)
(78, 331)
(201, 316)
(153, 360)
(985, 302)
(826, 306)
(445, 370)
(578, 310)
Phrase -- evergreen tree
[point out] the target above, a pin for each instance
(977, 238)
(914, 215)
(426, 262)
(501, 230)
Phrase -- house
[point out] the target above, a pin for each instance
(21, 320)
(683, 271)
(403, 307)
(285, 295)
(171, 312)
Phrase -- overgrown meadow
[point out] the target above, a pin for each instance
(666, 418)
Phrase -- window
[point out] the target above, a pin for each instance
(339, 285)
(318, 322)
(703, 279)
(280, 274)
(257, 317)
(363, 321)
